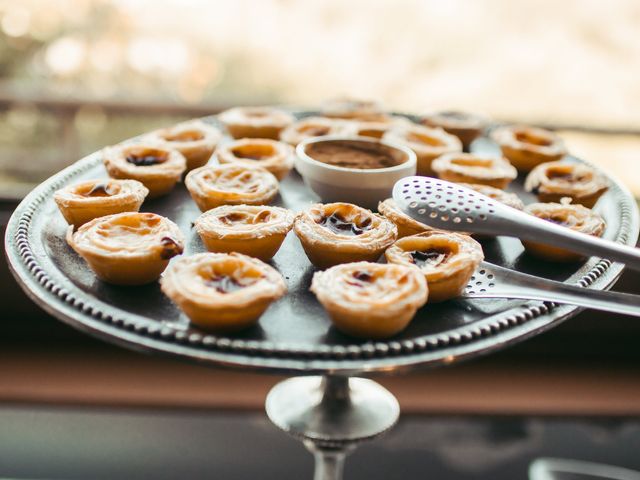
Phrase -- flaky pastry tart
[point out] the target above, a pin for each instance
(496, 172)
(82, 202)
(446, 259)
(257, 231)
(127, 248)
(336, 233)
(195, 140)
(405, 224)
(314, 127)
(223, 292)
(526, 147)
(556, 180)
(214, 185)
(575, 217)
(255, 122)
(157, 167)
(370, 300)
(427, 143)
(466, 126)
(276, 157)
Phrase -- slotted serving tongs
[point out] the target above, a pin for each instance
(449, 206)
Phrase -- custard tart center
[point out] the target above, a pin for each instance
(253, 152)
(424, 139)
(184, 136)
(431, 257)
(102, 189)
(336, 223)
(314, 130)
(472, 162)
(533, 139)
(147, 157)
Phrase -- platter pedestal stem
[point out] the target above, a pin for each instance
(331, 415)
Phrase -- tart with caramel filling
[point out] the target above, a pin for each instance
(427, 143)
(495, 172)
(526, 147)
(223, 292)
(447, 260)
(466, 126)
(370, 300)
(336, 233)
(255, 122)
(82, 202)
(314, 127)
(257, 231)
(354, 109)
(575, 217)
(510, 199)
(276, 157)
(127, 248)
(555, 180)
(195, 140)
(158, 168)
(406, 225)
(214, 185)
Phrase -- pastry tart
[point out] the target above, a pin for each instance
(223, 292)
(277, 157)
(354, 109)
(314, 127)
(555, 180)
(195, 140)
(527, 147)
(82, 202)
(376, 129)
(510, 199)
(446, 259)
(472, 168)
(427, 143)
(405, 224)
(370, 300)
(214, 185)
(466, 126)
(157, 167)
(257, 231)
(336, 233)
(575, 217)
(255, 122)
(127, 248)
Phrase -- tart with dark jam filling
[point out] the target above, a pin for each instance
(158, 168)
(336, 233)
(446, 259)
(575, 217)
(82, 202)
(127, 248)
(257, 231)
(556, 180)
(370, 300)
(222, 292)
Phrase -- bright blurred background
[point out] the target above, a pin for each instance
(76, 75)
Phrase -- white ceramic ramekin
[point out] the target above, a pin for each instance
(363, 187)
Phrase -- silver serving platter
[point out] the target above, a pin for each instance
(295, 335)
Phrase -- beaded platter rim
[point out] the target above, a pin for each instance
(53, 292)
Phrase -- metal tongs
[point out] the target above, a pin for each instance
(448, 206)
